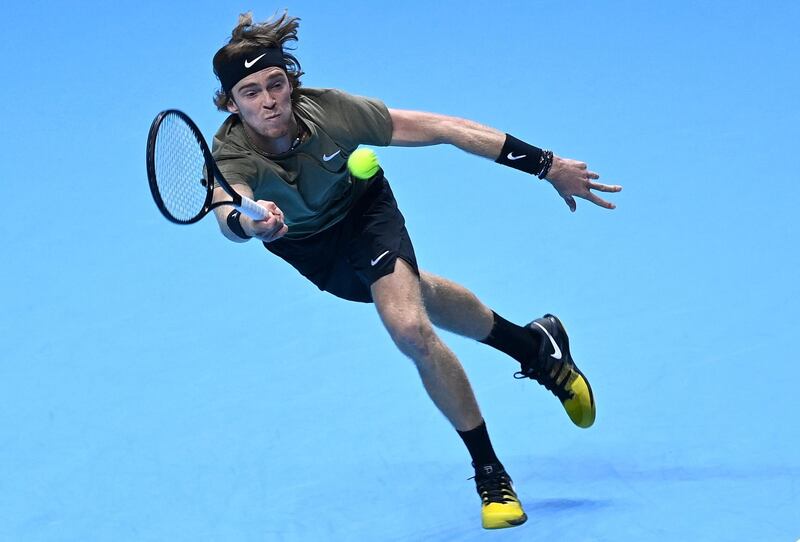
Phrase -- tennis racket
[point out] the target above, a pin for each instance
(181, 172)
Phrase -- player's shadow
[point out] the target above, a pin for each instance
(565, 505)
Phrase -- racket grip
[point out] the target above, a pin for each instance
(253, 209)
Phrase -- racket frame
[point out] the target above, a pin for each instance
(243, 204)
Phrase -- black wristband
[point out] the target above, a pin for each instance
(235, 226)
(524, 157)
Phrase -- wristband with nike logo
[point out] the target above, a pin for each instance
(235, 225)
(525, 157)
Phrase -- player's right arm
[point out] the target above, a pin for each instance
(263, 230)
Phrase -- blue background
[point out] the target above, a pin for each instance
(161, 383)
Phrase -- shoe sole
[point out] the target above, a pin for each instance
(509, 523)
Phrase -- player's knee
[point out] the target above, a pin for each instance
(415, 338)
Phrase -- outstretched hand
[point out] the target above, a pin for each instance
(269, 229)
(572, 178)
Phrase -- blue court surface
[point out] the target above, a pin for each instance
(159, 383)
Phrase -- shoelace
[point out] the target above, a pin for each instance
(546, 379)
(495, 488)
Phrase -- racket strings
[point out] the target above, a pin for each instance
(180, 169)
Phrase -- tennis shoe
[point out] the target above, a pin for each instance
(500, 507)
(555, 369)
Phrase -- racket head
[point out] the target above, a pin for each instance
(180, 168)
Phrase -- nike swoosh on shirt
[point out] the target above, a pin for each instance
(557, 353)
(511, 156)
(249, 63)
(376, 260)
(327, 158)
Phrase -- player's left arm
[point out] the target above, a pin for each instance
(570, 178)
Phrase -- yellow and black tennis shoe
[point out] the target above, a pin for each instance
(556, 371)
(500, 507)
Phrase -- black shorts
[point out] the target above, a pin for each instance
(348, 257)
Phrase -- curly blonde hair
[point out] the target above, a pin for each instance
(274, 32)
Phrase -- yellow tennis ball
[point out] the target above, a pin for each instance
(363, 163)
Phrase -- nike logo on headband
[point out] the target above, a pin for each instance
(249, 63)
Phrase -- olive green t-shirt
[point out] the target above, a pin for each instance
(310, 183)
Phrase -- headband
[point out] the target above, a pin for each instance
(232, 70)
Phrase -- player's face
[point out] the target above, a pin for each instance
(263, 100)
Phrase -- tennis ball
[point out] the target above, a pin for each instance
(363, 163)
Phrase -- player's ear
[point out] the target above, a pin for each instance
(232, 107)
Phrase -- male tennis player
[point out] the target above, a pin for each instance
(287, 147)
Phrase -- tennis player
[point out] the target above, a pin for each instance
(287, 146)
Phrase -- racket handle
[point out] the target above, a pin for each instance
(253, 209)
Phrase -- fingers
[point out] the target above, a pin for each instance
(276, 235)
(271, 207)
(272, 227)
(576, 180)
(594, 198)
(604, 187)
(590, 196)
(269, 229)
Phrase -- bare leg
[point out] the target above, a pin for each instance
(454, 308)
(398, 299)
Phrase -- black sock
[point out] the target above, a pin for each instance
(514, 340)
(479, 445)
